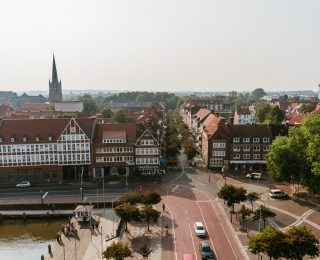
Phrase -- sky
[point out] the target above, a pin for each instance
(164, 45)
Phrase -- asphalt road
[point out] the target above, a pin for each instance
(61, 191)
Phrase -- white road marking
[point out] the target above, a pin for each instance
(175, 188)
(194, 247)
(173, 232)
(205, 223)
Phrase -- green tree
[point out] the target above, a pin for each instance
(89, 105)
(306, 108)
(262, 112)
(297, 157)
(276, 115)
(190, 149)
(131, 198)
(107, 113)
(127, 212)
(151, 197)
(270, 241)
(301, 242)
(244, 212)
(144, 251)
(263, 213)
(258, 93)
(232, 195)
(121, 116)
(117, 250)
(148, 213)
(252, 197)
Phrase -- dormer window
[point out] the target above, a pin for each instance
(13, 138)
(49, 138)
(24, 139)
(37, 138)
(1, 139)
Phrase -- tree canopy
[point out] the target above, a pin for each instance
(232, 194)
(117, 250)
(258, 93)
(297, 157)
(295, 243)
(148, 213)
(127, 212)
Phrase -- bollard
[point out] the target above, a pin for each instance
(42, 257)
(49, 249)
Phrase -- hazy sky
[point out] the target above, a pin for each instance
(163, 45)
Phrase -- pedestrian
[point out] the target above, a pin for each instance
(163, 207)
(92, 225)
(58, 239)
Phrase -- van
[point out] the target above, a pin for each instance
(187, 257)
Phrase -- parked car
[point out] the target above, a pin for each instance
(199, 229)
(254, 175)
(205, 250)
(275, 193)
(24, 184)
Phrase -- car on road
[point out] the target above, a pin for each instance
(205, 250)
(199, 229)
(254, 175)
(24, 184)
(276, 193)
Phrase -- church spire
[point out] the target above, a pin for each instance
(54, 71)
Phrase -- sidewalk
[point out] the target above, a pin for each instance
(89, 245)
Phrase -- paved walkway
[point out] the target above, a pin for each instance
(89, 245)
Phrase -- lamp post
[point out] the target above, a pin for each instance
(81, 188)
(127, 171)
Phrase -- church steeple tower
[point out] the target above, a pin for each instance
(55, 91)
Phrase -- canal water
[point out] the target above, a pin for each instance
(27, 240)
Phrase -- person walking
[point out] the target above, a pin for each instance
(163, 207)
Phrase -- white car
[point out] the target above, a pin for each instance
(199, 229)
(275, 193)
(254, 175)
(24, 184)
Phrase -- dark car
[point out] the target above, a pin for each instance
(205, 250)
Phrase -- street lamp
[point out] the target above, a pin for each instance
(81, 188)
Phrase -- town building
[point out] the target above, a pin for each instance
(45, 149)
(243, 116)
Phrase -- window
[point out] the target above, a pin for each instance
(236, 139)
(216, 162)
(256, 139)
(256, 156)
(266, 139)
(50, 138)
(246, 148)
(1, 140)
(256, 148)
(246, 140)
(266, 148)
(236, 156)
(246, 156)
(236, 148)
(37, 138)
(219, 144)
(12, 139)
(24, 139)
(218, 153)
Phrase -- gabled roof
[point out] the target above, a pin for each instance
(129, 129)
(34, 107)
(114, 134)
(202, 114)
(211, 123)
(20, 128)
(146, 132)
(297, 119)
(241, 110)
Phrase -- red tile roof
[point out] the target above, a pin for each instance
(243, 110)
(34, 107)
(31, 128)
(212, 122)
(296, 119)
(129, 129)
(114, 135)
(202, 114)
